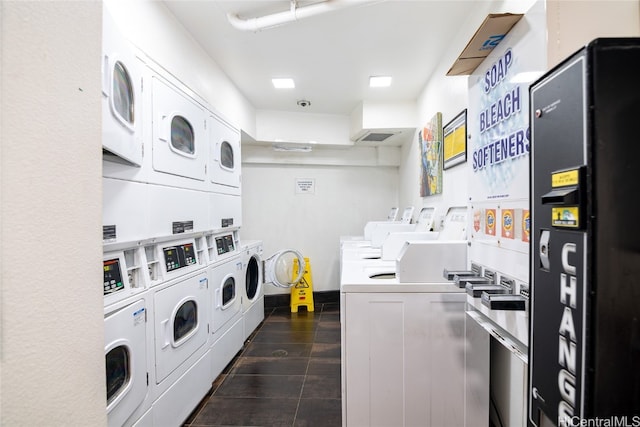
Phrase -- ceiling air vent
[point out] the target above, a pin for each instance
(376, 136)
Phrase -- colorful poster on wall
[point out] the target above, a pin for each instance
(455, 140)
(430, 143)
(498, 117)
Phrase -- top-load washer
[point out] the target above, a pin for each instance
(391, 217)
(224, 157)
(253, 290)
(387, 241)
(401, 343)
(179, 140)
(380, 227)
(419, 260)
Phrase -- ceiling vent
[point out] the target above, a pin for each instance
(376, 136)
(388, 124)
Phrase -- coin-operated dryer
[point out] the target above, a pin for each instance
(224, 157)
(180, 141)
(121, 97)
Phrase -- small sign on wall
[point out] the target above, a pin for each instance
(305, 186)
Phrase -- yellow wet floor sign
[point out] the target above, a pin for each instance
(302, 293)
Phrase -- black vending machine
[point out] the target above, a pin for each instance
(584, 342)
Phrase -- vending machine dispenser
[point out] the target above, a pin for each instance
(584, 343)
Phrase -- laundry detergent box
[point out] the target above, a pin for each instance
(490, 33)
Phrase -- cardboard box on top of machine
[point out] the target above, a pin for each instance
(490, 33)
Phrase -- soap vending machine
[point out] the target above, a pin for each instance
(584, 343)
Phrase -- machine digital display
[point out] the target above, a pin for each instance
(225, 244)
(112, 276)
(176, 257)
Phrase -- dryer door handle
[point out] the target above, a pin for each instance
(164, 127)
(106, 75)
(218, 298)
(165, 329)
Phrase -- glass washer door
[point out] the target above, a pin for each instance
(252, 278)
(279, 268)
(125, 361)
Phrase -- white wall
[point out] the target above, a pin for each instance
(345, 198)
(52, 321)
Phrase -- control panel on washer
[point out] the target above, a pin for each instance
(179, 256)
(225, 244)
(112, 276)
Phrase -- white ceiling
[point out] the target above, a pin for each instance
(331, 56)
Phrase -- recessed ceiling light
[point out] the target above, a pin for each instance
(379, 81)
(283, 83)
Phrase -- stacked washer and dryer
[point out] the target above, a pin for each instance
(174, 269)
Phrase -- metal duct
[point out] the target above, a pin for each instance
(292, 15)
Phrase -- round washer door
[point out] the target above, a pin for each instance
(279, 268)
(252, 278)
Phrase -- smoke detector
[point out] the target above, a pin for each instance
(304, 103)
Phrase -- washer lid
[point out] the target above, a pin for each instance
(280, 271)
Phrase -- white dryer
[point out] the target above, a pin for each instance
(180, 143)
(125, 345)
(253, 289)
(224, 157)
(121, 96)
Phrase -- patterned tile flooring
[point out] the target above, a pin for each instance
(288, 374)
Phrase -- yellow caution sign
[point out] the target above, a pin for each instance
(302, 293)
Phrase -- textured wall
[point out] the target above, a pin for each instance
(52, 321)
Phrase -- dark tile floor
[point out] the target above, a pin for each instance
(288, 374)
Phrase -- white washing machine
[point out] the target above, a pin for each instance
(226, 281)
(224, 157)
(121, 96)
(125, 344)
(225, 276)
(126, 361)
(180, 141)
(253, 289)
(181, 317)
